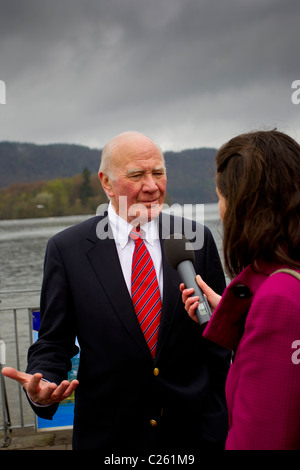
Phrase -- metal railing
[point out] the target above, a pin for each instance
(16, 335)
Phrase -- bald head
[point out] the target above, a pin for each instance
(120, 144)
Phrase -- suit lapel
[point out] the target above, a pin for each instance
(103, 256)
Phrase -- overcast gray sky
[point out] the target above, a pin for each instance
(189, 73)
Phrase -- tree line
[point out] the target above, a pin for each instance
(77, 195)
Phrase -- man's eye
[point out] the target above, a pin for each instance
(158, 174)
(135, 175)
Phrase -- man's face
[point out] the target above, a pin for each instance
(139, 186)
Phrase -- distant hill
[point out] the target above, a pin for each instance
(25, 163)
(190, 172)
(191, 176)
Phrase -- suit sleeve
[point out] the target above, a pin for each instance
(51, 354)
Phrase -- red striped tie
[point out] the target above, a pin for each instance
(145, 291)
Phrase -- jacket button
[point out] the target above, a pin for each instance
(153, 423)
(156, 372)
(241, 291)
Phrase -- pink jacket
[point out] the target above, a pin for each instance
(259, 318)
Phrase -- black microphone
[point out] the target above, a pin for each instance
(180, 255)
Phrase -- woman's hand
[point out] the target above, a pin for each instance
(191, 302)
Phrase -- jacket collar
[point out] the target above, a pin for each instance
(226, 325)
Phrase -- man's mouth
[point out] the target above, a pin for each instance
(152, 201)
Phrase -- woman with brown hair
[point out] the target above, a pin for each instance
(258, 316)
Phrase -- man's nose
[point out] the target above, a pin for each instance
(149, 184)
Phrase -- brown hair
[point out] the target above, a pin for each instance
(259, 176)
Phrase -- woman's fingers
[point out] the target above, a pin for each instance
(191, 302)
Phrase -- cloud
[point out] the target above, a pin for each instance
(189, 73)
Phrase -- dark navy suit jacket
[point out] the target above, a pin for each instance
(125, 400)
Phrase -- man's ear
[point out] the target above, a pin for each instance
(106, 184)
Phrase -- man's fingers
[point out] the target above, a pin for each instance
(14, 374)
(64, 390)
(48, 393)
(41, 391)
(35, 381)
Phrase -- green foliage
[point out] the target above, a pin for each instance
(58, 197)
(85, 190)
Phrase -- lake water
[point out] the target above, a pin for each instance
(22, 248)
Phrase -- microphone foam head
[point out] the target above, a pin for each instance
(177, 249)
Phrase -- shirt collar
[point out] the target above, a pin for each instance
(121, 228)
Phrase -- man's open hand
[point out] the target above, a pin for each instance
(40, 391)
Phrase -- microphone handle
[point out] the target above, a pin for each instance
(188, 276)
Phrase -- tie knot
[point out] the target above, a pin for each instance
(136, 234)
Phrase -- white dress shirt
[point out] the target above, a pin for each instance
(125, 245)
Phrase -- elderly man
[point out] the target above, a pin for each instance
(147, 380)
